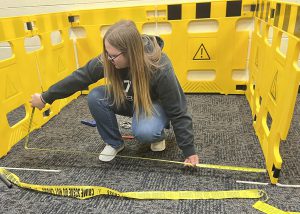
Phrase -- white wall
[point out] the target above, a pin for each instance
(10, 8)
(26, 7)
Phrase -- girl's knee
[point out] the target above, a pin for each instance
(146, 135)
(95, 95)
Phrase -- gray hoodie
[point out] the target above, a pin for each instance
(164, 87)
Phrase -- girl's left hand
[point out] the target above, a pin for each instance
(192, 160)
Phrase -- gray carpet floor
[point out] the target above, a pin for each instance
(223, 135)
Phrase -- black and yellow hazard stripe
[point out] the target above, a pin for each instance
(204, 10)
(280, 14)
(175, 12)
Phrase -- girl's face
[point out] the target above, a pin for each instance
(115, 56)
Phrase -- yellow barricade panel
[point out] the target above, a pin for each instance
(207, 62)
(273, 87)
(35, 65)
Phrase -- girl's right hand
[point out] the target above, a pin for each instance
(36, 101)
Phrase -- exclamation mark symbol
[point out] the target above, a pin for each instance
(201, 53)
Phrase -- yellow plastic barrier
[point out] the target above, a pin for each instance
(206, 62)
(29, 71)
(274, 77)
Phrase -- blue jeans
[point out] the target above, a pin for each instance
(145, 130)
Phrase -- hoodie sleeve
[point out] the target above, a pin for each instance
(77, 81)
(173, 101)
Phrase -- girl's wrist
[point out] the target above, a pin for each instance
(42, 99)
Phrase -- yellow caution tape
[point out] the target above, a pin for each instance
(266, 208)
(84, 192)
(210, 166)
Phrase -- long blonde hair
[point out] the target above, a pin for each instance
(125, 37)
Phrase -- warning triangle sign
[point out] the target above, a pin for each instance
(201, 54)
(274, 86)
(10, 90)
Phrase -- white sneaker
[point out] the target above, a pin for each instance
(158, 146)
(109, 153)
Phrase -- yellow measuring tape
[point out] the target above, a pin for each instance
(210, 166)
(84, 192)
(266, 208)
